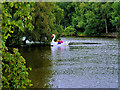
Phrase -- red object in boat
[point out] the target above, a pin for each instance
(61, 41)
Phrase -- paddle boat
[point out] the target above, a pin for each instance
(59, 42)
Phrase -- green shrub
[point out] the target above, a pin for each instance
(15, 73)
(91, 31)
(80, 34)
(69, 30)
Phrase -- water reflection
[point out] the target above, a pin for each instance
(58, 52)
(39, 59)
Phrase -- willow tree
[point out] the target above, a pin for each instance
(41, 19)
(46, 19)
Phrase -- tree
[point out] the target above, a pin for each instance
(69, 10)
(46, 21)
(15, 19)
(69, 30)
(79, 20)
(57, 28)
(92, 18)
(115, 20)
(106, 9)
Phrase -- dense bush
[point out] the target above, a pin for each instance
(15, 73)
(80, 34)
(69, 31)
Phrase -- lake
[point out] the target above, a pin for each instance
(85, 63)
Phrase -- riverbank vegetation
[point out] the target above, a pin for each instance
(91, 18)
(14, 70)
(37, 21)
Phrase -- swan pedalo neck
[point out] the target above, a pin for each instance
(58, 43)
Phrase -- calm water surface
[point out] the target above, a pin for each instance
(85, 63)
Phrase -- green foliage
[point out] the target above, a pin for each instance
(17, 19)
(15, 73)
(69, 31)
(58, 13)
(32, 20)
(90, 31)
(80, 34)
(92, 18)
(92, 24)
(79, 20)
(46, 21)
(35, 21)
(57, 28)
(115, 20)
(42, 17)
(68, 8)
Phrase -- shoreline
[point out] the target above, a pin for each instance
(94, 36)
(48, 44)
(106, 35)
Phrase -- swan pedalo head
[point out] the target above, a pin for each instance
(53, 35)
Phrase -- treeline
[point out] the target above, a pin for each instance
(37, 21)
(90, 18)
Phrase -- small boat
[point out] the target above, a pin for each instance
(53, 43)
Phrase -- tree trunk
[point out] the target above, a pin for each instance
(116, 28)
(106, 26)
